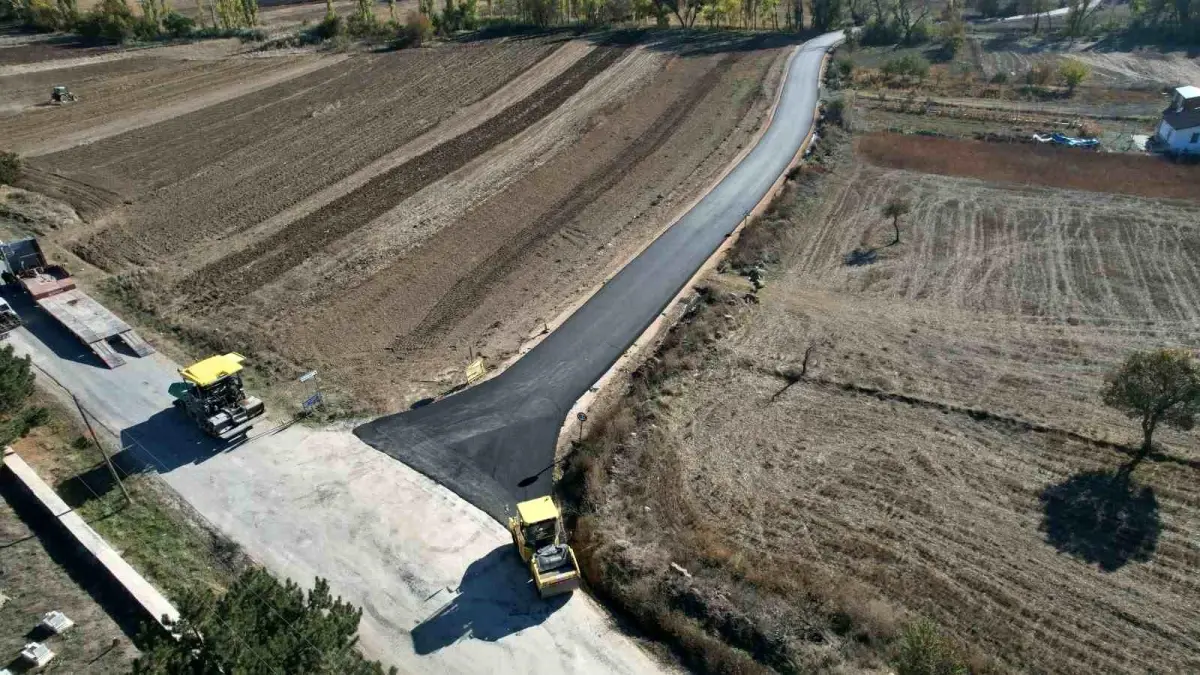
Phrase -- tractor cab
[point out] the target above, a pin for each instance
(537, 533)
(213, 396)
(61, 94)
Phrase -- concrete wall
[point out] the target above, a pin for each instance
(152, 602)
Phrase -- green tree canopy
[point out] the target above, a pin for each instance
(260, 627)
(16, 380)
(1156, 386)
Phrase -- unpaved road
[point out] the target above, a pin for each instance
(441, 589)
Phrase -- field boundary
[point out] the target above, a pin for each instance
(151, 600)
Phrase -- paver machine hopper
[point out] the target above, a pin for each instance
(537, 532)
(213, 396)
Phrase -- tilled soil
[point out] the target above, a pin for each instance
(238, 274)
(235, 164)
(515, 211)
(525, 254)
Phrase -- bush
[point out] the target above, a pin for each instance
(417, 30)
(178, 25)
(925, 651)
(1040, 75)
(879, 32)
(10, 168)
(110, 20)
(909, 65)
(837, 111)
(42, 16)
(919, 34)
(16, 380)
(1089, 129)
(1073, 72)
(330, 27)
(1000, 77)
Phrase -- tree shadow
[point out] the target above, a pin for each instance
(496, 598)
(1102, 517)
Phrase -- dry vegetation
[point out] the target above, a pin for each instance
(946, 454)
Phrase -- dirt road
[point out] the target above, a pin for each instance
(440, 586)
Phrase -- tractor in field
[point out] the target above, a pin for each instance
(212, 395)
(61, 95)
(537, 532)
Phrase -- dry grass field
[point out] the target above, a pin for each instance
(946, 454)
(379, 216)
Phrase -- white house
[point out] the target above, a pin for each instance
(1179, 130)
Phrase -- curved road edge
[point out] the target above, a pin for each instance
(492, 443)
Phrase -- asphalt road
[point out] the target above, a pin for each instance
(482, 443)
(441, 589)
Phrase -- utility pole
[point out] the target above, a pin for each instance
(107, 460)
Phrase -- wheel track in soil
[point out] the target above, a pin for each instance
(238, 273)
(89, 201)
(467, 293)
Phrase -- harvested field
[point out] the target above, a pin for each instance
(946, 453)
(50, 50)
(516, 174)
(1030, 164)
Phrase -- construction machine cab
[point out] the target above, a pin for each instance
(537, 532)
(61, 94)
(212, 394)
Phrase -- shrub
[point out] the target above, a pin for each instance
(909, 65)
(109, 20)
(919, 34)
(417, 30)
(178, 25)
(1040, 75)
(16, 380)
(10, 168)
(1088, 129)
(838, 112)
(923, 650)
(1073, 72)
(42, 16)
(845, 68)
(330, 27)
(1000, 78)
(879, 32)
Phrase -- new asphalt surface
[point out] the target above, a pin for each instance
(486, 442)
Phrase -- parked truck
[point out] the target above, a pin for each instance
(53, 289)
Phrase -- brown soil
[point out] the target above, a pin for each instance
(519, 258)
(144, 91)
(946, 454)
(237, 274)
(303, 222)
(276, 146)
(1030, 164)
(51, 51)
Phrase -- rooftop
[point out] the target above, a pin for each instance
(1188, 91)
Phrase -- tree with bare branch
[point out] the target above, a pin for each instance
(896, 209)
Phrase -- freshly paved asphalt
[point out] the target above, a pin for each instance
(483, 442)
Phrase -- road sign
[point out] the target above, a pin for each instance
(476, 370)
(582, 417)
(312, 401)
(308, 376)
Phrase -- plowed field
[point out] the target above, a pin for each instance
(946, 453)
(379, 214)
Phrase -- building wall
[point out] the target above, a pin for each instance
(1179, 140)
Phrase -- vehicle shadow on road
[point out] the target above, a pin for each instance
(168, 440)
(496, 598)
(1102, 517)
